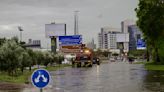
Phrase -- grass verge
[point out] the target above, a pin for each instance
(155, 67)
(152, 66)
(142, 62)
(24, 78)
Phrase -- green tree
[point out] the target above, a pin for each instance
(39, 57)
(9, 53)
(2, 40)
(54, 59)
(150, 15)
(60, 58)
(32, 55)
(15, 38)
(47, 58)
(25, 60)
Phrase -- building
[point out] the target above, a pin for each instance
(113, 40)
(107, 38)
(122, 39)
(91, 45)
(102, 39)
(33, 44)
(125, 24)
(134, 35)
(124, 29)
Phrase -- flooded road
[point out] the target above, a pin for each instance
(109, 77)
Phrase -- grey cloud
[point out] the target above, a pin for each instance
(32, 15)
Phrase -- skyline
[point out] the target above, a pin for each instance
(32, 17)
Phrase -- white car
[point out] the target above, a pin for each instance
(112, 59)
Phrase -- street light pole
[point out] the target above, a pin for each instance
(20, 29)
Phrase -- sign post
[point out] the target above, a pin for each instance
(40, 78)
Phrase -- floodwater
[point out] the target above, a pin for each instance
(108, 77)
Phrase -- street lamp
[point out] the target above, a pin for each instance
(20, 29)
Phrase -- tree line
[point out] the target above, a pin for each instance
(150, 14)
(14, 57)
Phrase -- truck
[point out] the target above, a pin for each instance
(84, 58)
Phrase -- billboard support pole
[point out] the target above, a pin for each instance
(41, 90)
(53, 44)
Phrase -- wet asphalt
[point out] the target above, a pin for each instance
(108, 77)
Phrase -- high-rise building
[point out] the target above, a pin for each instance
(107, 38)
(116, 39)
(124, 28)
(103, 39)
(112, 40)
(125, 24)
(100, 41)
(135, 34)
(91, 45)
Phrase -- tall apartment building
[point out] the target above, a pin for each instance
(124, 28)
(125, 24)
(91, 45)
(107, 38)
(114, 39)
(135, 34)
(103, 39)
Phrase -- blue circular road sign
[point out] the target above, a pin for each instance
(40, 78)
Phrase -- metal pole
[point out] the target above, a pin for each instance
(53, 44)
(20, 29)
(41, 90)
(20, 36)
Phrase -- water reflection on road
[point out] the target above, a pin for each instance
(113, 77)
(110, 77)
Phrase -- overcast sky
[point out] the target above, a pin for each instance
(32, 15)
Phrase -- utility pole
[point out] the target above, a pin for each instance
(76, 23)
(20, 29)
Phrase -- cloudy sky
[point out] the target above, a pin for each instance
(32, 15)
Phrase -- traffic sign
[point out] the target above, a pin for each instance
(70, 40)
(40, 78)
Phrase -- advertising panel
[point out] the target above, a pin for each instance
(141, 44)
(122, 37)
(55, 30)
(71, 49)
(70, 40)
(70, 44)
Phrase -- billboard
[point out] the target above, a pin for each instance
(71, 49)
(55, 30)
(70, 40)
(122, 37)
(70, 44)
(141, 44)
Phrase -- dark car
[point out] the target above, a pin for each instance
(96, 61)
